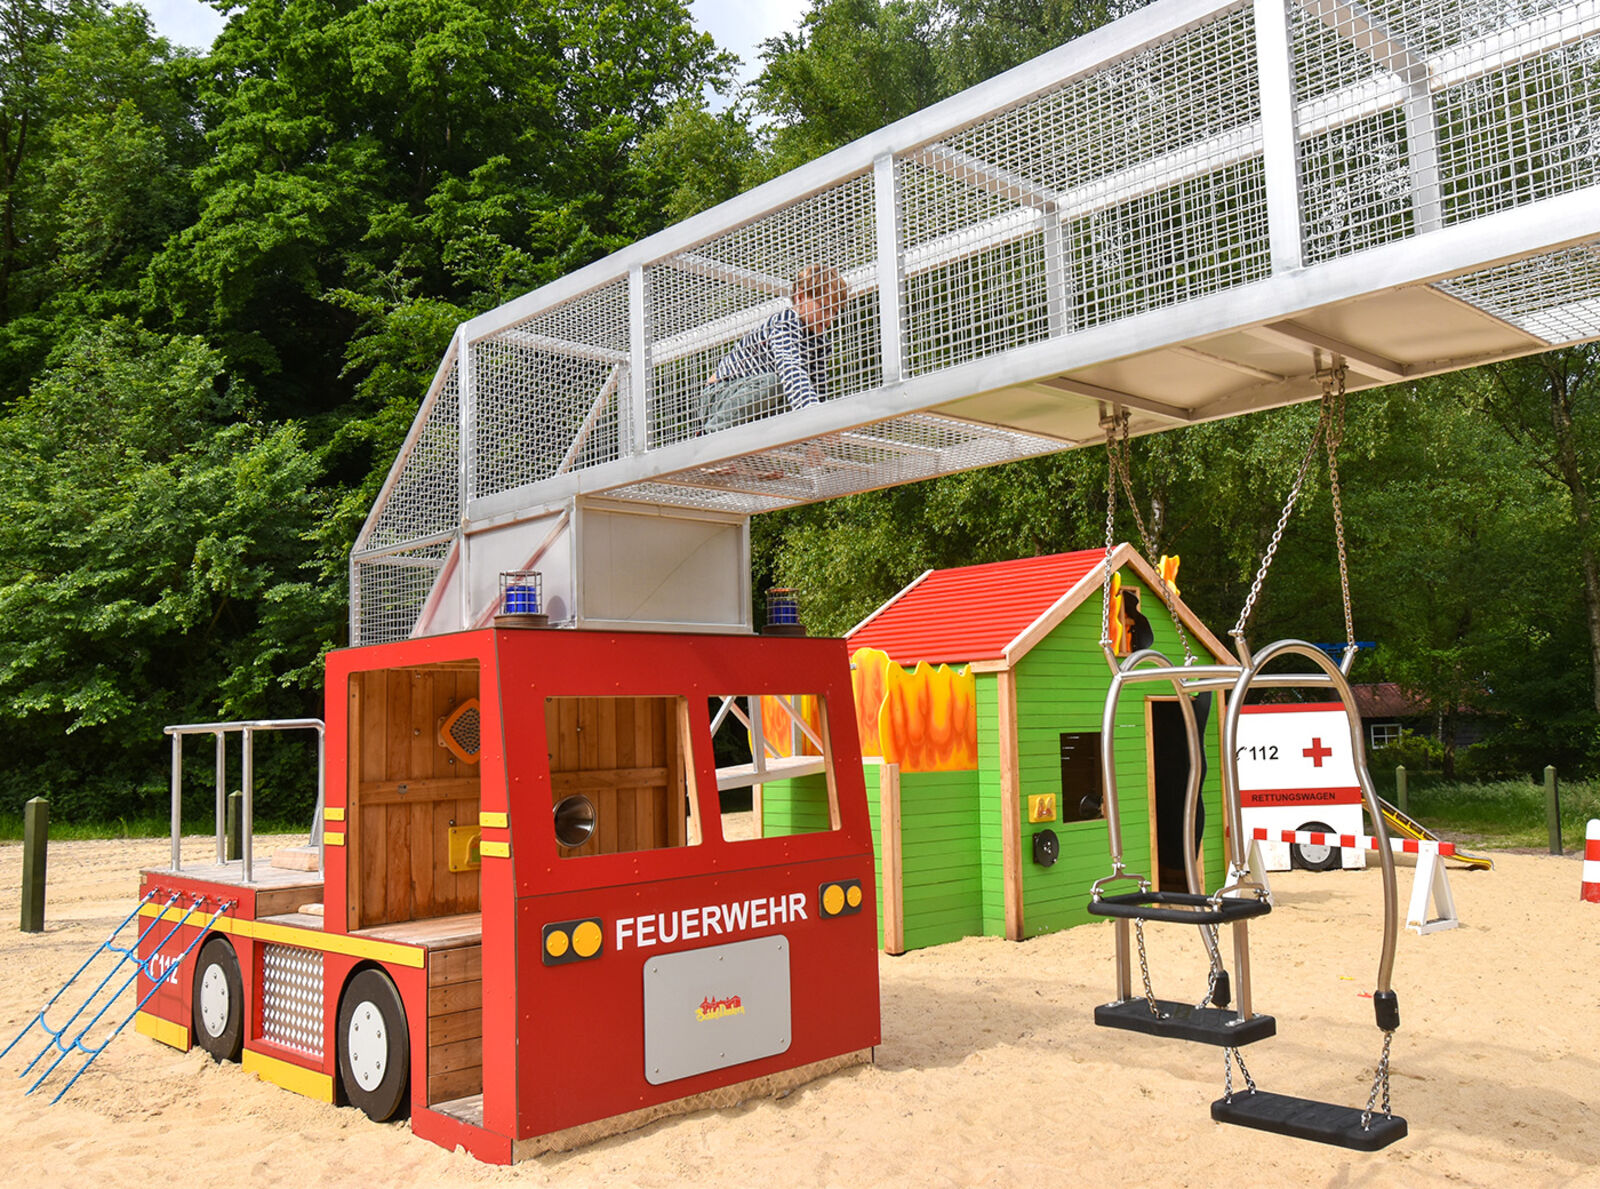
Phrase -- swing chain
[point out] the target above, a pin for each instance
(1380, 1080)
(1144, 968)
(1229, 1056)
(1334, 401)
(1283, 523)
(1121, 473)
(1216, 968)
(1111, 540)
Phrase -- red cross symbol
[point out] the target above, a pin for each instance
(1316, 751)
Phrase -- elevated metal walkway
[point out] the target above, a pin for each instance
(1179, 214)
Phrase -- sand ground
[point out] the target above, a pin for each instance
(990, 1072)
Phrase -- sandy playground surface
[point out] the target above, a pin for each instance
(990, 1072)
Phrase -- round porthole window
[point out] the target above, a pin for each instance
(575, 818)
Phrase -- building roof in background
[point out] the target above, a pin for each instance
(1385, 699)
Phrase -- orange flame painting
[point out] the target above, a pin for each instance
(868, 678)
(929, 719)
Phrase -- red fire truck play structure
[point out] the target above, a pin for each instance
(530, 929)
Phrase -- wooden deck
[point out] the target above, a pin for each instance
(436, 933)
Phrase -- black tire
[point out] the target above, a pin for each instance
(1314, 858)
(374, 1046)
(218, 1001)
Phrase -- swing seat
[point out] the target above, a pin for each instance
(1305, 1118)
(1182, 908)
(1184, 1021)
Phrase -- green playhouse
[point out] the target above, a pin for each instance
(986, 792)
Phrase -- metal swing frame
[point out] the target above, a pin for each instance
(1242, 895)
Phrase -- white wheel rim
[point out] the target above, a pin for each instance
(367, 1043)
(1314, 856)
(214, 1001)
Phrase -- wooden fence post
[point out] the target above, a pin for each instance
(1402, 796)
(1552, 808)
(35, 842)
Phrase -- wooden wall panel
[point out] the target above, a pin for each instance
(623, 754)
(406, 790)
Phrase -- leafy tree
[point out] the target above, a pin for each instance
(152, 549)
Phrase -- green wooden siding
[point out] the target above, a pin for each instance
(797, 806)
(941, 862)
(990, 845)
(1061, 687)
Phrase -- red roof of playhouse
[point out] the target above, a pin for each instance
(978, 613)
(972, 612)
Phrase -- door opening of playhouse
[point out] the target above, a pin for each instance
(1169, 781)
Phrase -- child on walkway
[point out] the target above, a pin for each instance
(784, 359)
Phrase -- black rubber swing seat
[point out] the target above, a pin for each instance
(1182, 908)
(1218, 1026)
(1305, 1118)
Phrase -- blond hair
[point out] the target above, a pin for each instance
(820, 280)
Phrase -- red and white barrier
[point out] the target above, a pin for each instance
(1430, 882)
(1404, 846)
(1591, 863)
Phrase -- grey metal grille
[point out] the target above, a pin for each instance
(388, 593)
(1416, 115)
(703, 300)
(548, 392)
(291, 997)
(904, 450)
(424, 495)
(1555, 296)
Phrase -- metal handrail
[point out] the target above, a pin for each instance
(247, 728)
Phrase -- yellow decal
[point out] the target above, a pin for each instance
(333, 815)
(495, 850)
(1042, 807)
(330, 838)
(929, 719)
(716, 1009)
(494, 821)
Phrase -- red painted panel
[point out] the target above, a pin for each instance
(972, 612)
(581, 1054)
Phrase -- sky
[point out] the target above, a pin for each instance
(737, 25)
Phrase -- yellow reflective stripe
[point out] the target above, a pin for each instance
(165, 1031)
(497, 821)
(495, 850)
(314, 939)
(291, 1077)
(329, 838)
(333, 815)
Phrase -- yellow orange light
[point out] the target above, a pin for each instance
(854, 896)
(556, 944)
(586, 939)
(833, 900)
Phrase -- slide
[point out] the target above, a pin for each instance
(1409, 827)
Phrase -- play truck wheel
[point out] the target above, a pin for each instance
(373, 1047)
(218, 1001)
(1314, 858)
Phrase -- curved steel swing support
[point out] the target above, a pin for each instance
(1242, 886)
(1336, 677)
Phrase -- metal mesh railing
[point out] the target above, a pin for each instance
(1115, 177)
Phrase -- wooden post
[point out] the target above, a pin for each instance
(35, 843)
(1010, 804)
(894, 921)
(235, 807)
(1402, 797)
(1552, 808)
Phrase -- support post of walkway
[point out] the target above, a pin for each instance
(1280, 157)
(886, 212)
(35, 850)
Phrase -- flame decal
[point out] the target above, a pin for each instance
(929, 719)
(777, 724)
(869, 680)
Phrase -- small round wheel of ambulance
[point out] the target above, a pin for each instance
(373, 1045)
(218, 1001)
(1315, 857)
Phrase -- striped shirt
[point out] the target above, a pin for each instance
(782, 346)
